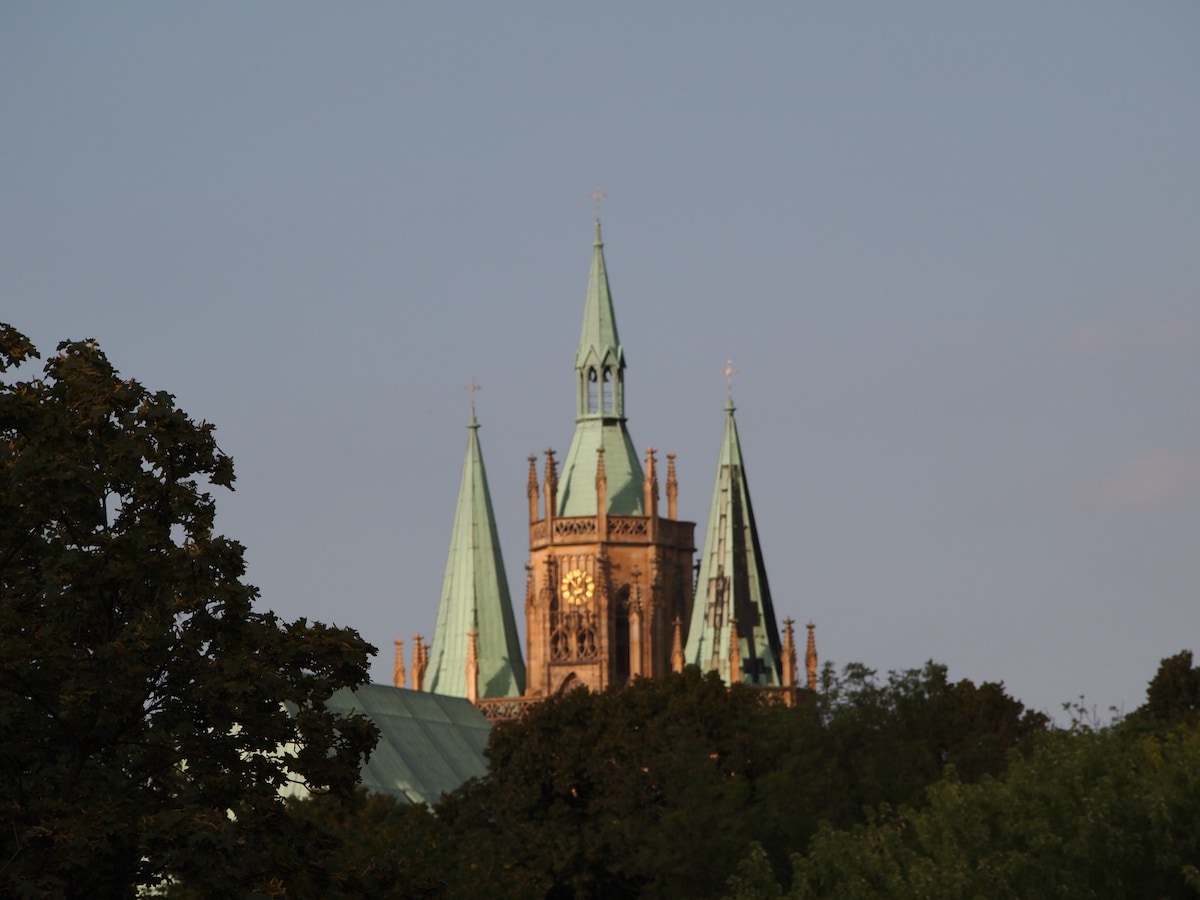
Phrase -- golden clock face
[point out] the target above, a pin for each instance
(577, 587)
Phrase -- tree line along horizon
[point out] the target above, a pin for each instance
(153, 711)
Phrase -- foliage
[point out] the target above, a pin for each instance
(141, 695)
(885, 742)
(1085, 812)
(659, 788)
(362, 845)
(631, 792)
(1174, 693)
(1090, 814)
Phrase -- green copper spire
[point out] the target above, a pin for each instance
(600, 409)
(475, 596)
(599, 347)
(732, 582)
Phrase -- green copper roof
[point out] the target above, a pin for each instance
(600, 410)
(475, 596)
(622, 471)
(428, 744)
(732, 581)
(599, 345)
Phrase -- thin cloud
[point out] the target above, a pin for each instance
(1104, 335)
(1177, 332)
(1095, 337)
(1151, 480)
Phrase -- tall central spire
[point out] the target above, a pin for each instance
(600, 360)
(600, 409)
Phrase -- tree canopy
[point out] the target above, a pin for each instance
(1173, 695)
(1084, 811)
(151, 713)
(660, 787)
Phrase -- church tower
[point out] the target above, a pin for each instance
(733, 629)
(476, 652)
(608, 575)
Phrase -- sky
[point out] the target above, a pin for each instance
(950, 247)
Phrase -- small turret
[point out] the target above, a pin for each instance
(601, 493)
(789, 654)
(472, 667)
(672, 487)
(810, 657)
(677, 645)
(420, 661)
(532, 490)
(650, 486)
(735, 653)
(398, 674)
(550, 485)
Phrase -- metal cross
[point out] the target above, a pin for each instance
(729, 371)
(597, 195)
(472, 388)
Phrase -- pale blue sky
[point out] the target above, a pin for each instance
(951, 247)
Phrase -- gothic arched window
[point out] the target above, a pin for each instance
(592, 388)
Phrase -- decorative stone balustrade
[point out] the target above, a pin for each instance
(621, 530)
(504, 709)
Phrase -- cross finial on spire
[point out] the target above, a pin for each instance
(597, 195)
(729, 371)
(471, 389)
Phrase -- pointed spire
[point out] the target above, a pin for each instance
(810, 657)
(550, 484)
(672, 487)
(599, 358)
(475, 595)
(531, 490)
(420, 661)
(600, 408)
(732, 581)
(601, 495)
(735, 653)
(635, 624)
(650, 485)
(789, 653)
(601, 475)
(398, 674)
(472, 667)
